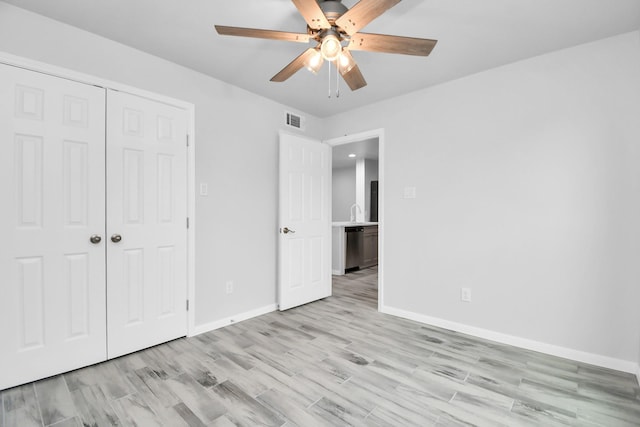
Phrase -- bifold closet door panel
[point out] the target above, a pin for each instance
(52, 188)
(146, 223)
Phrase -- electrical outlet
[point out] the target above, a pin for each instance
(229, 287)
(465, 294)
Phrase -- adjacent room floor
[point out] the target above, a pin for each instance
(334, 362)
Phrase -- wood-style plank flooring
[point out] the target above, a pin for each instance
(335, 362)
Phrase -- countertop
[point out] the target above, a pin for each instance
(352, 224)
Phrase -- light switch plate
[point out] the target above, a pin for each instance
(409, 193)
(204, 189)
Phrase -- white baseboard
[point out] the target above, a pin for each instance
(554, 350)
(337, 272)
(211, 326)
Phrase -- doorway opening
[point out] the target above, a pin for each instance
(357, 221)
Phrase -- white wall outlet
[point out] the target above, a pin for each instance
(229, 287)
(465, 294)
(204, 189)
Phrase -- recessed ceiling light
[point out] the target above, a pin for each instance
(352, 155)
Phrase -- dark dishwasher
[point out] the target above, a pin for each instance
(354, 247)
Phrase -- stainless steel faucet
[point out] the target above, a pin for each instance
(352, 211)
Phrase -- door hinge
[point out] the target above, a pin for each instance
(187, 305)
(187, 222)
(187, 140)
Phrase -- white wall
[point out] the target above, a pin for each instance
(236, 223)
(528, 186)
(344, 186)
(343, 183)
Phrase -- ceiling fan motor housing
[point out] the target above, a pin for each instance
(333, 9)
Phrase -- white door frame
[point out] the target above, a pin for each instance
(52, 70)
(375, 133)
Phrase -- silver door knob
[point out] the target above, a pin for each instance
(95, 239)
(116, 238)
(288, 230)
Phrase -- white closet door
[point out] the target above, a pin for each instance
(52, 177)
(147, 208)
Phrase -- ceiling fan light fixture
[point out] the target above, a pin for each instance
(330, 47)
(314, 64)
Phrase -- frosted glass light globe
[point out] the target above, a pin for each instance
(330, 47)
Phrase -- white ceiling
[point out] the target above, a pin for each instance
(474, 35)
(366, 149)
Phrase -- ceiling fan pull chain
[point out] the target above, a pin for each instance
(337, 80)
(329, 67)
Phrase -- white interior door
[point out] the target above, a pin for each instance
(52, 300)
(304, 221)
(147, 209)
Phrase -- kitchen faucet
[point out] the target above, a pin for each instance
(352, 211)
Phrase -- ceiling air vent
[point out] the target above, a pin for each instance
(294, 121)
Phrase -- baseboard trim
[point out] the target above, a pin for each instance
(212, 326)
(554, 350)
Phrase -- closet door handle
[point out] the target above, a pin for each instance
(95, 239)
(116, 238)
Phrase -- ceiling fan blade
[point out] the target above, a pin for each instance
(392, 44)
(351, 74)
(294, 66)
(262, 34)
(362, 13)
(311, 12)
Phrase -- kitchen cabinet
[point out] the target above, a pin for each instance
(367, 247)
(370, 247)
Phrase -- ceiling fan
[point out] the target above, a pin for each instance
(335, 29)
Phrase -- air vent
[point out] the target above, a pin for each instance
(294, 121)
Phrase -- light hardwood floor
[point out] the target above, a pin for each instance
(334, 362)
